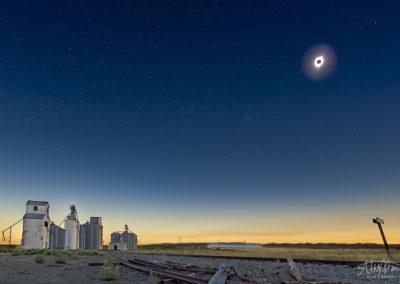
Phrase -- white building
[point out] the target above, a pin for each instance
(36, 225)
(123, 240)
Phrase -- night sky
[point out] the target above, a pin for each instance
(194, 119)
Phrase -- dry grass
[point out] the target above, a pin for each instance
(61, 259)
(109, 271)
(39, 258)
(4, 261)
(354, 254)
(153, 279)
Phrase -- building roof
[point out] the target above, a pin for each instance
(58, 227)
(33, 202)
(34, 216)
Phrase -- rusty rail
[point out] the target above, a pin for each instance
(297, 260)
(171, 266)
(163, 273)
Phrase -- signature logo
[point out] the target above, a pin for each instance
(383, 269)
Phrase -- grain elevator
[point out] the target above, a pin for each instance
(72, 230)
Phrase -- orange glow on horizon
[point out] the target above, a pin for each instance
(351, 225)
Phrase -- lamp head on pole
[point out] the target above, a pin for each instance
(378, 220)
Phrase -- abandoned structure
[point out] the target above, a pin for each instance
(36, 225)
(57, 237)
(125, 240)
(91, 234)
(39, 232)
(72, 230)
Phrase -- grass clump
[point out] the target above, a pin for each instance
(153, 279)
(60, 259)
(16, 252)
(69, 253)
(39, 258)
(35, 251)
(207, 266)
(109, 271)
(5, 250)
(278, 264)
(76, 255)
(4, 261)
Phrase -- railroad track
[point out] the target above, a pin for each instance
(162, 272)
(167, 271)
(297, 260)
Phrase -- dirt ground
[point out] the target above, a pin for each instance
(24, 269)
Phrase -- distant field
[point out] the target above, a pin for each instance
(355, 254)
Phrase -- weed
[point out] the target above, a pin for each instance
(58, 253)
(207, 266)
(39, 258)
(16, 252)
(164, 258)
(278, 264)
(4, 261)
(5, 250)
(153, 279)
(69, 253)
(60, 259)
(109, 271)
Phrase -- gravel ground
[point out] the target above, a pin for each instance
(270, 272)
(23, 269)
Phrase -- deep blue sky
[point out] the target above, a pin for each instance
(171, 101)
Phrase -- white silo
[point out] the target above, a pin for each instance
(72, 229)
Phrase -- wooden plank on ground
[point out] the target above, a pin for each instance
(221, 275)
(293, 270)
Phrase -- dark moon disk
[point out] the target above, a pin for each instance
(319, 62)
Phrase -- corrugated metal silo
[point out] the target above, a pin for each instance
(72, 230)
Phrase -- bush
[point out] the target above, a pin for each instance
(60, 259)
(278, 264)
(30, 251)
(153, 279)
(16, 252)
(206, 266)
(109, 271)
(39, 258)
(39, 251)
(5, 250)
(108, 260)
(69, 253)
(4, 261)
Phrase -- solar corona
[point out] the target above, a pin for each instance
(319, 62)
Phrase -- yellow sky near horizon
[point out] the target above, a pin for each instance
(312, 225)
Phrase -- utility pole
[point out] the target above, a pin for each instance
(9, 228)
(380, 221)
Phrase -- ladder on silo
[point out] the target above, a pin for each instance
(9, 228)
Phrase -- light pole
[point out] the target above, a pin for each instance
(380, 221)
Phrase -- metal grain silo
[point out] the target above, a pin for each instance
(72, 230)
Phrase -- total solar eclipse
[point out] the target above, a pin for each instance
(319, 62)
